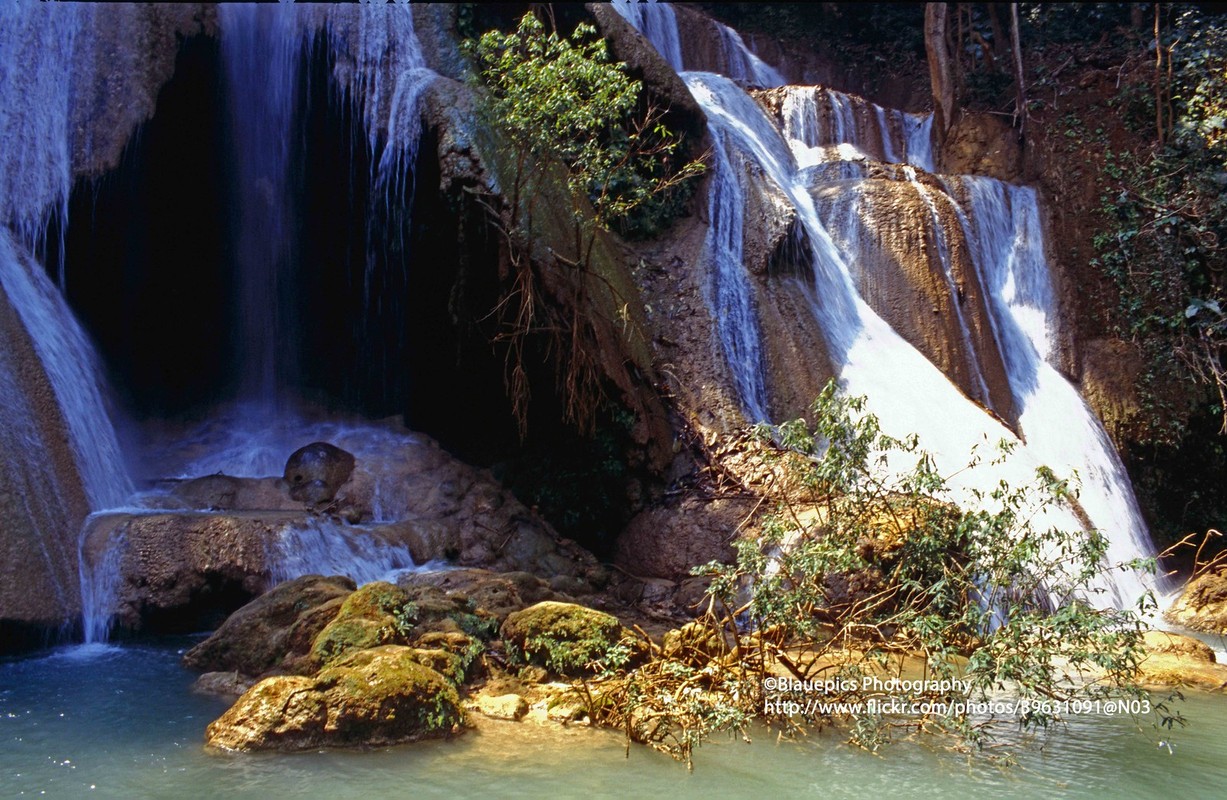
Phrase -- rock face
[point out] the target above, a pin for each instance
(178, 566)
(666, 542)
(901, 229)
(375, 697)
(188, 568)
(1203, 604)
(42, 500)
(276, 627)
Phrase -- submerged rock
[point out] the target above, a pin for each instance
(1176, 660)
(380, 696)
(276, 627)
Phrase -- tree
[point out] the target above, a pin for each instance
(579, 152)
(861, 571)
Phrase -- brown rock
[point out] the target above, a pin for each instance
(228, 493)
(1203, 604)
(667, 542)
(172, 564)
(507, 706)
(891, 225)
(374, 697)
(1176, 660)
(222, 684)
(261, 634)
(42, 498)
(315, 472)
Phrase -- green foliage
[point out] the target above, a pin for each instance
(576, 151)
(867, 572)
(563, 101)
(997, 585)
(1163, 241)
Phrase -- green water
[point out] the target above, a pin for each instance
(121, 722)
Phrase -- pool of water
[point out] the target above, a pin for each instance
(120, 721)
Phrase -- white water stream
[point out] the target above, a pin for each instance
(906, 391)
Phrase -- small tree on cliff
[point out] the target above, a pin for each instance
(578, 152)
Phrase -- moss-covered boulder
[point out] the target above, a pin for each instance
(562, 637)
(274, 628)
(387, 695)
(375, 697)
(285, 712)
(377, 614)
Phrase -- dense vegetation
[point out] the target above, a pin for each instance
(863, 573)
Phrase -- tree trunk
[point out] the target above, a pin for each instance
(1020, 111)
(941, 74)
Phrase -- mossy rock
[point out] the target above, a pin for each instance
(374, 600)
(280, 623)
(375, 697)
(344, 636)
(376, 614)
(562, 637)
(448, 664)
(387, 695)
(467, 650)
(286, 712)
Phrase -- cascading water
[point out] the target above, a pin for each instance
(261, 47)
(736, 317)
(905, 390)
(1061, 430)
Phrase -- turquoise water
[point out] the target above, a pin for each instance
(108, 721)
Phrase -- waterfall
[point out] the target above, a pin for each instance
(71, 365)
(381, 68)
(821, 124)
(1061, 429)
(733, 302)
(658, 23)
(905, 390)
(321, 547)
(260, 47)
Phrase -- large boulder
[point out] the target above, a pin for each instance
(375, 697)
(377, 614)
(1203, 604)
(1176, 660)
(183, 571)
(274, 628)
(562, 637)
(315, 472)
